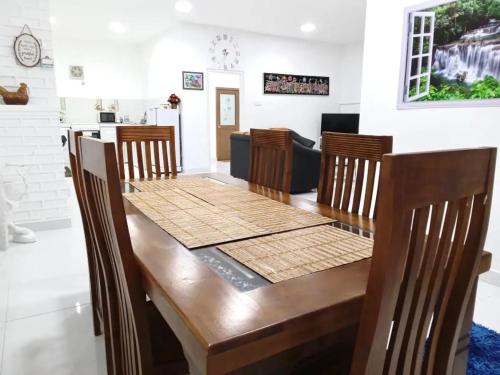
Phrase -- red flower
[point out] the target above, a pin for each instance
(174, 99)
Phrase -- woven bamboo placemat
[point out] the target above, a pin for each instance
(300, 252)
(171, 183)
(210, 213)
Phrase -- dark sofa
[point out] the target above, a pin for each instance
(306, 161)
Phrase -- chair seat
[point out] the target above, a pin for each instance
(356, 220)
(168, 356)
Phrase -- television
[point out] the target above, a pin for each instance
(340, 123)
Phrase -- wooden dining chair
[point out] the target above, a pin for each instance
(95, 288)
(432, 221)
(141, 342)
(139, 141)
(350, 164)
(271, 153)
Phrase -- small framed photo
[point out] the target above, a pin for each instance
(192, 81)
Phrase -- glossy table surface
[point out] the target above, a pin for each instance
(223, 328)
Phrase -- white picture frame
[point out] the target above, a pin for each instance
(402, 102)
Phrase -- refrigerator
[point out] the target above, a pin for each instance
(168, 117)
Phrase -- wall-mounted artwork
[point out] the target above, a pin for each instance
(451, 55)
(289, 84)
(192, 81)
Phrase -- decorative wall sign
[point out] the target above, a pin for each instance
(76, 72)
(192, 81)
(289, 84)
(47, 60)
(224, 50)
(452, 54)
(27, 48)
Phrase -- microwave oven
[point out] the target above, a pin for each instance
(107, 117)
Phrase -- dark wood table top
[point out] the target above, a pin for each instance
(223, 329)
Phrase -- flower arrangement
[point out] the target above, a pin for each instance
(174, 100)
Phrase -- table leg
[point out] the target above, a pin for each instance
(462, 354)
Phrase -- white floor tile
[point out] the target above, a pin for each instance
(2, 332)
(58, 343)
(311, 196)
(4, 294)
(487, 290)
(57, 253)
(47, 294)
(487, 309)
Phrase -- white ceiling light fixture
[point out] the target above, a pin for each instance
(116, 27)
(52, 20)
(183, 6)
(308, 27)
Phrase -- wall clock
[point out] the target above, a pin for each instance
(224, 51)
(27, 48)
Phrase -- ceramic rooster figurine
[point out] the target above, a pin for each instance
(19, 97)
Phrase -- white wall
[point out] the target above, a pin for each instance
(351, 66)
(186, 48)
(418, 129)
(112, 71)
(29, 135)
(154, 71)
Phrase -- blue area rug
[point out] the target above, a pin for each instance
(484, 351)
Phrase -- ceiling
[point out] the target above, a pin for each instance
(337, 21)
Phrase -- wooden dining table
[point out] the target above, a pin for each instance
(270, 327)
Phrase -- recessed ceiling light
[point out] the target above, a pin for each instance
(116, 27)
(52, 20)
(183, 6)
(308, 27)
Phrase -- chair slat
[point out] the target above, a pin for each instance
(370, 181)
(156, 149)
(130, 160)
(121, 162)
(330, 178)
(140, 161)
(173, 159)
(358, 187)
(346, 197)
(149, 164)
(165, 157)
(339, 184)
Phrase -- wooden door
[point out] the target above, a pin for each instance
(227, 120)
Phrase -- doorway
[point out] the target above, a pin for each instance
(220, 129)
(227, 119)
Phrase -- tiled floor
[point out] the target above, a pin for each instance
(45, 316)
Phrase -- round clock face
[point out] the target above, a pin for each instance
(224, 51)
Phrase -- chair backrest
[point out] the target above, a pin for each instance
(271, 153)
(74, 158)
(432, 222)
(137, 141)
(125, 303)
(345, 160)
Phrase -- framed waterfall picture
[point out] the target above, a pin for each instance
(451, 55)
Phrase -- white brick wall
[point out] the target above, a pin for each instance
(30, 134)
